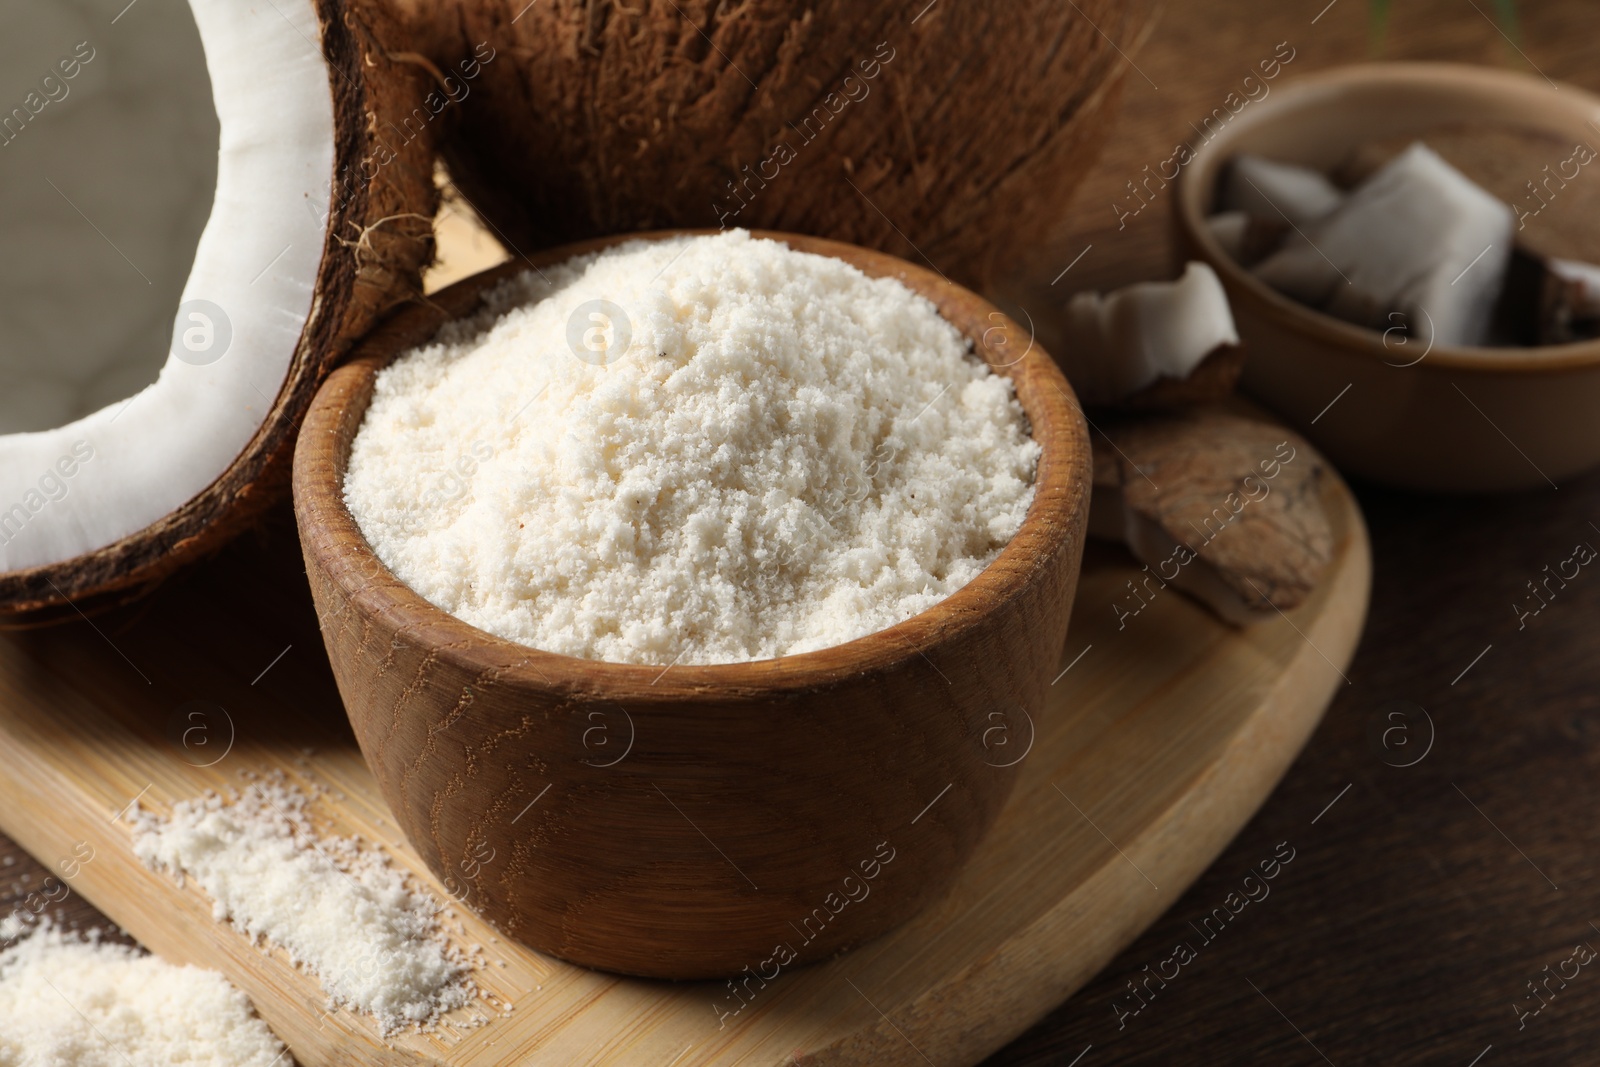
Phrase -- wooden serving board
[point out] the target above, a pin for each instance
(1181, 727)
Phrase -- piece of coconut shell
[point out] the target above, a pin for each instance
(1540, 305)
(379, 238)
(962, 152)
(1212, 380)
(1243, 495)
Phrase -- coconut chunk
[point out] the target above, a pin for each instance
(1227, 229)
(1266, 189)
(1222, 506)
(1580, 284)
(1544, 177)
(1123, 342)
(1569, 303)
(1549, 301)
(1246, 239)
(1418, 245)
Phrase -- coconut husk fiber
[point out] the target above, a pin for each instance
(949, 133)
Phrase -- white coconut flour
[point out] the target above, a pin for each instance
(337, 908)
(696, 451)
(70, 1000)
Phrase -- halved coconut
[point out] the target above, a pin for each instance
(948, 133)
(319, 220)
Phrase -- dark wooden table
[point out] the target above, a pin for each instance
(1446, 851)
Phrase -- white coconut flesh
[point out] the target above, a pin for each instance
(87, 456)
(1120, 342)
(1228, 229)
(1418, 245)
(1267, 189)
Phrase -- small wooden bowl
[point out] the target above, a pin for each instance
(699, 821)
(1456, 419)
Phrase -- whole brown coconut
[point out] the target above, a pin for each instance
(375, 239)
(949, 132)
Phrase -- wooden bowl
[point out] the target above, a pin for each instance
(1456, 419)
(698, 821)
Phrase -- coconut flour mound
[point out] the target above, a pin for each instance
(698, 450)
(338, 908)
(75, 1001)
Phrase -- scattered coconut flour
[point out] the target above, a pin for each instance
(699, 450)
(339, 909)
(13, 926)
(72, 1000)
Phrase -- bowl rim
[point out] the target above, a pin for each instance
(1056, 517)
(1195, 185)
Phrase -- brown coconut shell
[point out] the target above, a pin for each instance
(962, 151)
(1211, 381)
(379, 237)
(1240, 492)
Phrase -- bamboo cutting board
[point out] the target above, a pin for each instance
(1180, 726)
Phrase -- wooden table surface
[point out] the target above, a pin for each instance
(1446, 852)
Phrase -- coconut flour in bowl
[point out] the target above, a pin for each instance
(696, 450)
